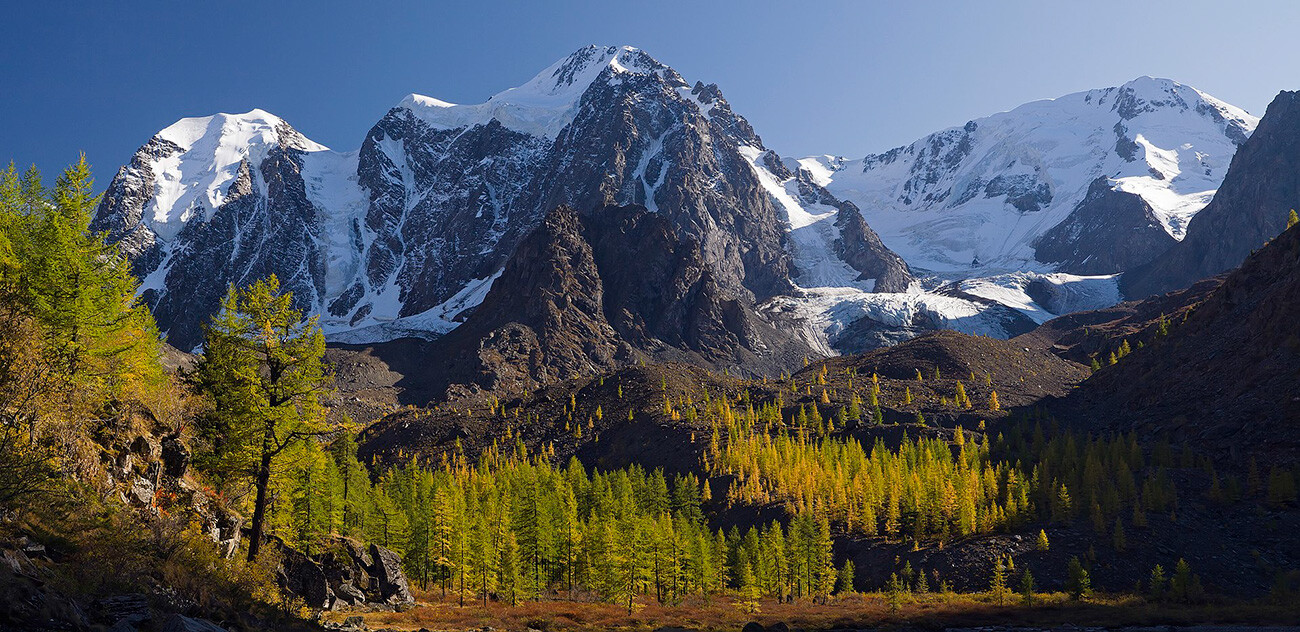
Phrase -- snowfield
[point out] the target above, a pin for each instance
(976, 197)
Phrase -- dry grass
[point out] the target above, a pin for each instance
(856, 611)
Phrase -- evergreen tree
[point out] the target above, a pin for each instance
(1077, 582)
(1156, 587)
(894, 593)
(844, 580)
(998, 584)
(1027, 588)
(1292, 219)
(262, 366)
(508, 568)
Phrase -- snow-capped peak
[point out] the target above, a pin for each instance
(545, 104)
(194, 176)
(981, 194)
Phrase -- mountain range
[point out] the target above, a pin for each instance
(609, 210)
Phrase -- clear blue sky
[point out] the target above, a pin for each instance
(813, 77)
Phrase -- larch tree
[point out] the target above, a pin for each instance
(262, 367)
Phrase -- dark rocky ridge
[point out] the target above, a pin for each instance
(1109, 231)
(1250, 207)
(568, 303)
(1225, 375)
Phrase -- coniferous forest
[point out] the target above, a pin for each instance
(835, 495)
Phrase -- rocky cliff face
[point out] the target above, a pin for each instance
(1109, 231)
(1261, 187)
(406, 235)
(567, 304)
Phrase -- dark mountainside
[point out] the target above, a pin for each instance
(1110, 231)
(1021, 377)
(1250, 207)
(1226, 373)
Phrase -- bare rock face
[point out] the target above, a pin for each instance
(862, 249)
(1262, 185)
(1109, 231)
(590, 292)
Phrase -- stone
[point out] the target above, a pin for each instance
(393, 587)
(142, 492)
(131, 609)
(303, 577)
(350, 595)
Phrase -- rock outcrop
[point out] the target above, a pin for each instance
(348, 574)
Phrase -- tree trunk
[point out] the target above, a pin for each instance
(259, 506)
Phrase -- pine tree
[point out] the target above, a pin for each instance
(844, 580)
(263, 368)
(994, 405)
(894, 593)
(748, 588)
(1156, 587)
(1077, 582)
(1117, 537)
(1027, 588)
(1292, 219)
(998, 584)
(508, 568)
(1184, 586)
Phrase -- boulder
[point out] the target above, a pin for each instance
(393, 588)
(303, 577)
(142, 491)
(349, 595)
(131, 610)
